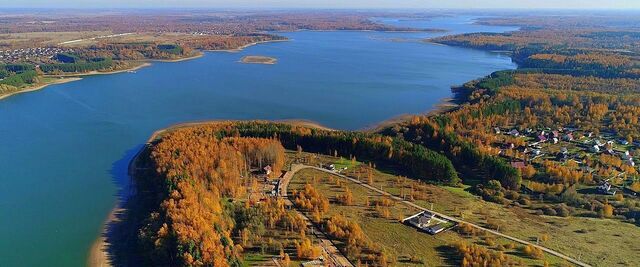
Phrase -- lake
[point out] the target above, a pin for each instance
(64, 149)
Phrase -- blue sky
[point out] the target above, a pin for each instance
(564, 4)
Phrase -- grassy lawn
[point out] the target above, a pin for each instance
(401, 241)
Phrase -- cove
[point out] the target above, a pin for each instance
(64, 150)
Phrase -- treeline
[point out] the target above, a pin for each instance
(17, 75)
(186, 186)
(86, 66)
(135, 51)
(436, 133)
(20, 79)
(171, 48)
(416, 160)
(217, 42)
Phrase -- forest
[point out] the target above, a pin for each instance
(201, 174)
(13, 76)
(78, 65)
(195, 193)
(552, 133)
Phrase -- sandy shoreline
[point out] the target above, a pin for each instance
(98, 255)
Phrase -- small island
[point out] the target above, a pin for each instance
(258, 60)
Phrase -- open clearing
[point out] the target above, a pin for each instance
(407, 245)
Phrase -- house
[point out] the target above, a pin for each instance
(564, 150)
(331, 167)
(436, 229)
(605, 188)
(624, 142)
(631, 163)
(542, 138)
(536, 152)
(555, 134)
(626, 155)
(424, 220)
(555, 140)
(589, 134)
(514, 132)
(595, 149)
(267, 169)
(496, 130)
(318, 262)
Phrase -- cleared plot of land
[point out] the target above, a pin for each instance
(407, 245)
(40, 39)
(258, 60)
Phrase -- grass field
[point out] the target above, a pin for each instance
(41, 39)
(402, 242)
(600, 242)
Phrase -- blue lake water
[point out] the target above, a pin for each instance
(64, 149)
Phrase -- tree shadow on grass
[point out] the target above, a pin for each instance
(449, 254)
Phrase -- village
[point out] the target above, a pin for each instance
(31, 54)
(569, 146)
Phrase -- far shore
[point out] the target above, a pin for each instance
(71, 77)
(247, 45)
(197, 55)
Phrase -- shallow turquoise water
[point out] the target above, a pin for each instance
(64, 149)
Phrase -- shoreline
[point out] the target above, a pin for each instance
(197, 55)
(95, 72)
(263, 60)
(444, 105)
(61, 80)
(242, 47)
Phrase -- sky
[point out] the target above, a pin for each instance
(338, 4)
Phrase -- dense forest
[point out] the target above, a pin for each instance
(190, 222)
